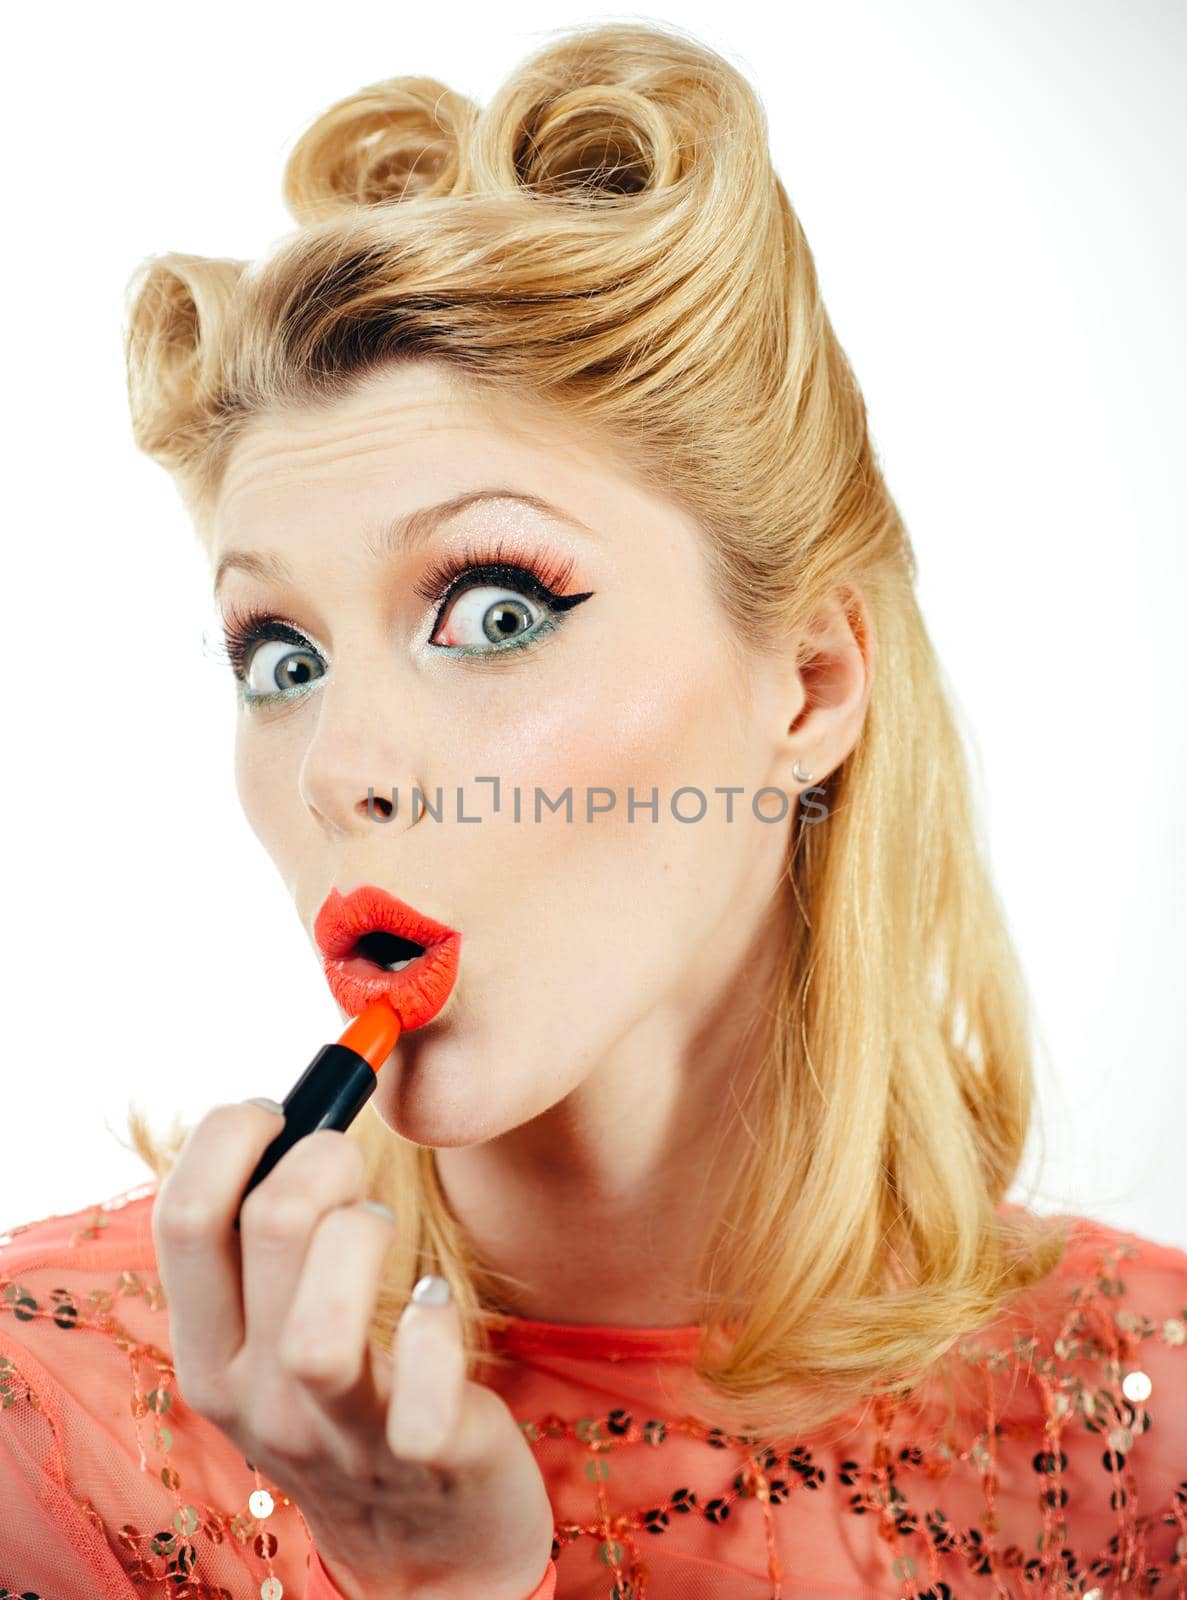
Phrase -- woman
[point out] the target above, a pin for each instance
(530, 470)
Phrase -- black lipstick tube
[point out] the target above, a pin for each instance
(330, 1093)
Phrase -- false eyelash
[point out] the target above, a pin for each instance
(501, 563)
(245, 626)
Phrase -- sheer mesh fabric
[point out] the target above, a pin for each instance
(1053, 1463)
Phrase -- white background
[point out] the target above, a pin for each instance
(993, 194)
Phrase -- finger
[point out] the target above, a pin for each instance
(429, 1374)
(319, 1173)
(325, 1343)
(196, 1248)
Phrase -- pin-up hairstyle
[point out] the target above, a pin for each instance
(608, 238)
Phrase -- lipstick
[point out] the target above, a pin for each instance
(334, 1087)
(393, 969)
(375, 947)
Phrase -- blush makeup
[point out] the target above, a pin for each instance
(394, 968)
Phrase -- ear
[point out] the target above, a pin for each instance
(830, 675)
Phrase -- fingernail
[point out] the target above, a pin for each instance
(268, 1105)
(379, 1209)
(431, 1291)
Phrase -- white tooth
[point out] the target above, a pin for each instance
(398, 966)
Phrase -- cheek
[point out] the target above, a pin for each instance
(250, 781)
(656, 719)
(622, 907)
(626, 731)
(264, 783)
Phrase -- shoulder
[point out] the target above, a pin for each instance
(1125, 1317)
(1104, 1262)
(119, 1227)
(1108, 1354)
(80, 1281)
(1114, 1291)
(1096, 1349)
(80, 1317)
(108, 1479)
(1134, 1284)
(79, 1285)
(1060, 1427)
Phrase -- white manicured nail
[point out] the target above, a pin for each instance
(432, 1291)
(268, 1105)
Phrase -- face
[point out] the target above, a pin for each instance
(595, 951)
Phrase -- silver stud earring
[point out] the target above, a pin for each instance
(800, 777)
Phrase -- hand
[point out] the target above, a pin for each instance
(414, 1480)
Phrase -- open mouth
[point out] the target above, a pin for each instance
(388, 951)
(370, 952)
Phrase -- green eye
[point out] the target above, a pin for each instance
(490, 607)
(486, 617)
(275, 667)
(269, 658)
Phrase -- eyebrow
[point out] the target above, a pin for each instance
(401, 533)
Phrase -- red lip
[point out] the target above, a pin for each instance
(417, 993)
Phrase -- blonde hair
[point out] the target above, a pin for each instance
(608, 237)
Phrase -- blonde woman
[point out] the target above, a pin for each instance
(670, 1256)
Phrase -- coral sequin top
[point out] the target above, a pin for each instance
(1055, 1466)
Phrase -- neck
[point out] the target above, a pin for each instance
(599, 1208)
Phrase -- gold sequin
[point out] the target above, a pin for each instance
(186, 1520)
(889, 1476)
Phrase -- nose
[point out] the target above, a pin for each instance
(356, 774)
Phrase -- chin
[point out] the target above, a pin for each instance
(449, 1095)
(441, 1097)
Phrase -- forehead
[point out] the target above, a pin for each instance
(324, 494)
(402, 438)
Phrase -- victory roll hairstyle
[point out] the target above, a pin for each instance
(607, 238)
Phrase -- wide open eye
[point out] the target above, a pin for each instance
(494, 602)
(487, 615)
(277, 666)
